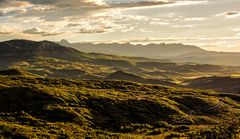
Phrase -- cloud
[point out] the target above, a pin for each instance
(50, 8)
(165, 19)
(159, 23)
(92, 31)
(58, 10)
(127, 29)
(44, 8)
(188, 2)
(183, 26)
(145, 3)
(12, 12)
(73, 25)
(68, 3)
(5, 30)
(13, 4)
(236, 29)
(84, 3)
(97, 27)
(5, 33)
(144, 30)
(38, 31)
(229, 14)
(174, 3)
(195, 19)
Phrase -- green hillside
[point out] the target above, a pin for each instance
(36, 107)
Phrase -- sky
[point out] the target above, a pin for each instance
(210, 24)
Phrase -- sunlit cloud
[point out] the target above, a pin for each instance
(189, 2)
(144, 30)
(172, 3)
(5, 30)
(236, 29)
(159, 23)
(12, 4)
(183, 26)
(195, 19)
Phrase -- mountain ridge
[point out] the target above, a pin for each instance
(175, 52)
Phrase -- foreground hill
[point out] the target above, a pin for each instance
(173, 52)
(36, 107)
(52, 60)
(221, 84)
(24, 49)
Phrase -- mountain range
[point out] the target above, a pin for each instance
(176, 52)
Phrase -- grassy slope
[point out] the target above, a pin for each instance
(32, 106)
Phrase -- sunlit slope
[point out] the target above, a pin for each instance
(36, 107)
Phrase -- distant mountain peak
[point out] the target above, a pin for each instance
(64, 41)
(122, 75)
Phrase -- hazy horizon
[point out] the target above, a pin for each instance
(210, 24)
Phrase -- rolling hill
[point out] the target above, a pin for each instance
(37, 107)
(220, 84)
(121, 75)
(23, 49)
